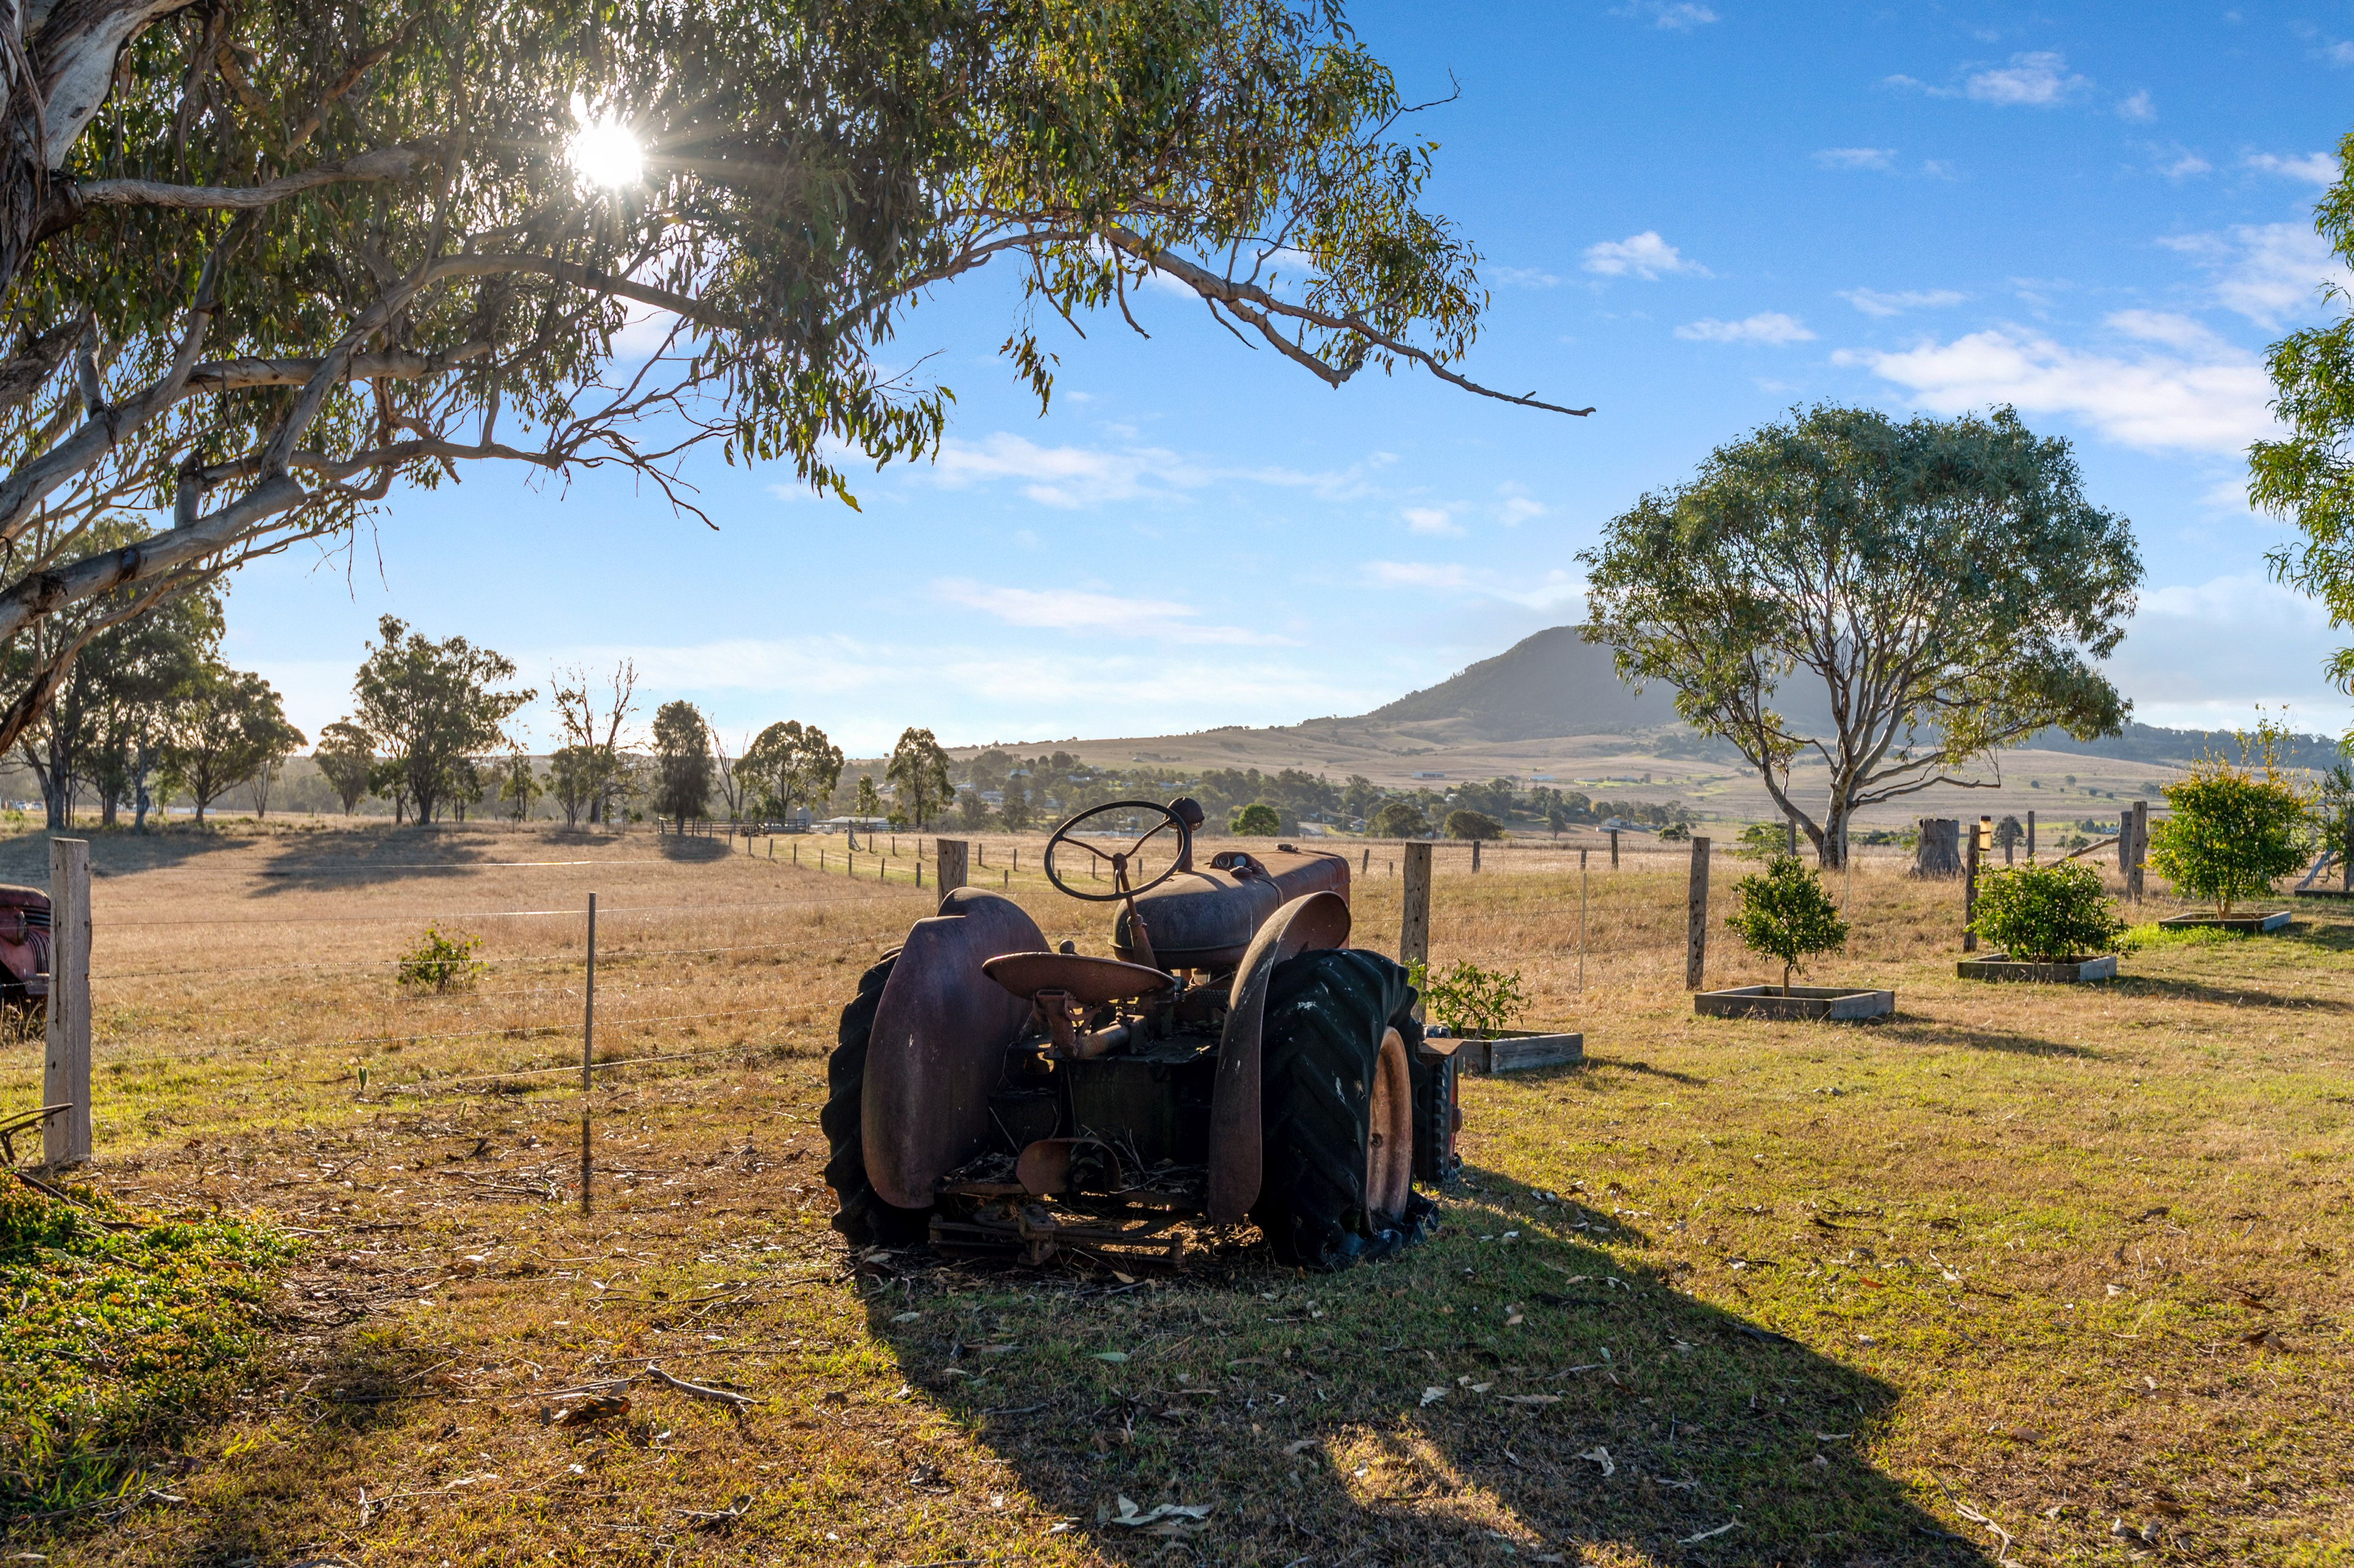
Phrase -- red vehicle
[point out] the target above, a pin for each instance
(24, 945)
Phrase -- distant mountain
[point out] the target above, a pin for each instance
(2148, 743)
(1553, 684)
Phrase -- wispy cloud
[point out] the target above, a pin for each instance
(2176, 161)
(1857, 157)
(2206, 396)
(1432, 520)
(2269, 273)
(1553, 590)
(2040, 80)
(2204, 654)
(1093, 610)
(2318, 168)
(1766, 326)
(1515, 505)
(1644, 255)
(2137, 109)
(1075, 477)
(1875, 302)
(1524, 277)
(1676, 16)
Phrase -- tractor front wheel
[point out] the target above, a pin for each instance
(1337, 1111)
(864, 1217)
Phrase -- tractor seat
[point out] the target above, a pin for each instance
(1090, 982)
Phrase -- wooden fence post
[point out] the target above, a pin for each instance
(1474, 854)
(1696, 917)
(1414, 927)
(2030, 835)
(588, 1054)
(2138, 820)
(1581, 921)
(1614, 849)
(65, 1070)
(1970, 892)
(951, 857)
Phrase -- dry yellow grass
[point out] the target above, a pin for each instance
(2068, 1261)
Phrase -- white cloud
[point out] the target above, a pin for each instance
(2269, 273)
(2318, 168)
(1874, 303)
(1766, 326)
(1938, 169)
(1644, 255)
(1435, 520)
(1549, 592)
(2178, 163)
(2340, 54)
(1072, 477)
(2139, 108)
(1515, 505)
(2204, 654)
(2213, 401)
(1090, 611)
(1524, 277)
(2039, 80)
(1676, 16)
(2167, 327)
(1857, 157)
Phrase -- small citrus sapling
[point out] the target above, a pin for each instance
(1785, 913)
(1468, 999)
(2047, 914)
(2234, 827)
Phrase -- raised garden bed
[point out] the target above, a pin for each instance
(2254, 924)
(1835, 1003)
(1518, 1050)
(2070, 971)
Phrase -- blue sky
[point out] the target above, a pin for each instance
(1694, 216)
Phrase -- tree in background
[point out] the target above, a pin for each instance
(1473, 825)
(682, 762)
(973, 812)
(1015, 805)
(428, 707)
(224, 728)
(1257, 820)
(868, 801)
(347, 759)
(790, 766)
(519, 786)
(2232, 829)
(1399, 820)
(918, 771)
(595, 775)
(1945, 583)
(573, 779)
(728, 777)
(2308, 476)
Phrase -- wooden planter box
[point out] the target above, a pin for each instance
(2003, 967)
(2254, 924)
(1517, 1050)
(1835, 1003)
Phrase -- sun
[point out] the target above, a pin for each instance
(603, 151)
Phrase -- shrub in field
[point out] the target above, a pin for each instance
(444, 963)
(1397, 819)
(1469, 1000)
(1257, 820)
(1786, 914)
(2047, 914)
(2233, 828)
(1473, 825)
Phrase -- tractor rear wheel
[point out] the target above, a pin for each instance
(864, 1217)
(1337, 1111)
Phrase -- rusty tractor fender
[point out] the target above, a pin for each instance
(940, 1032)
(1314, 922)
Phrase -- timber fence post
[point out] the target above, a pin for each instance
(587, 1053)
(2137, 827)
(65, 1068)
(1614, 849)
(1696, 917)
(1413, 923)
(1970, 894)
(950, 858)
(1581, 920)
(2030, 835)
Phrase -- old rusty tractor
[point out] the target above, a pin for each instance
(1234, 1061)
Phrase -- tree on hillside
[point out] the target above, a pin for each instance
(519, 786)
(919, 768)
(1942, 584)
(1399, 820)
(224, 727)
(682, 761)
(347, 759)
(789, 766)
(427, 708)
(2307, 476)
(266, 261)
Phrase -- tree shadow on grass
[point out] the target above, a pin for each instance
(1973, 1037)
(2184, 990)
(25, 858)
(692, 851)
(1501, 1394)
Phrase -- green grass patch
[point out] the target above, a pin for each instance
(2140, 939)
(115, 1329)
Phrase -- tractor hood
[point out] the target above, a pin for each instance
(1205, 920)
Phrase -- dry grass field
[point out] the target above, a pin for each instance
(2025, 1273)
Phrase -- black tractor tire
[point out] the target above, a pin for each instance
(1319, 1048)
(864, 1218)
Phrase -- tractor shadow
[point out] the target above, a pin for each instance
(1503, 1393)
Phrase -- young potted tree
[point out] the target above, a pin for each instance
(1476, 1005)
(1786, 914)
(2047, 923)
(2232, 831)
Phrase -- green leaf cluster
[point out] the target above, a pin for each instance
(1784, 915)
(442, 962)
(2232, 830)
(1468, 999)
(1472, 825)
(682, 761)
(118, 1329)
(1257, 820)
(1399, 820)
(2047, 914)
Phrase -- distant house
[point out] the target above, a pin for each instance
(854, 824)
(1621, 825)
(1428, 776)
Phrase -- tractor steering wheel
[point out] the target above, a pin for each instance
(1125, 859)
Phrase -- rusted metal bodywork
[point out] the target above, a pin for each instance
(938, 1045)
(23, 943)
(1205, 920)
(1310, 923)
